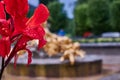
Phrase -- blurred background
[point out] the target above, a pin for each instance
(82, 18)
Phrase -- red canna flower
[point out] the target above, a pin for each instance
(17, 8)
(40, 15)
(2, 13)
(4, 46)
(18, 28)
(4, 28)
(33, 30)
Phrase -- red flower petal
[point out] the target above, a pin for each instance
(4, 28)
(19, 26)
(40, 15)
(4, 46)
(2, 13)
(36, 32)
(22, 42)
(15, 60)
(41, 43)
(17, 7)
(29, 56)
(20, 45)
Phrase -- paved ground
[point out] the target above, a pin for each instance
(111, 71)
(112, 77)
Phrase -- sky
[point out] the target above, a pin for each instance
(69, 6)
(33, 2)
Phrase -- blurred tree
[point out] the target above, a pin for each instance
(58, 18)
(81, 19)
(98, 13)
(115, 15)
(30, 13)
(46, 2)
(111, 0)
(70, 29)
(81, 1)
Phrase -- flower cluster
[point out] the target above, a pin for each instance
(17, 29)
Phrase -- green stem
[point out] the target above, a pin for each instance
(2, 68)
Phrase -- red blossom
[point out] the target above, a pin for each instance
(40, 15)
(5, 29)
(34, 30)
(2, 13)
(4, 46)
(19, 29)
(17, 8)
(21, 45)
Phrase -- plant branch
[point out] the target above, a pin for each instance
(2, 68)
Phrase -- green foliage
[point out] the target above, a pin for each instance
(46, 2)
(115, 15)
(98, 12)
(70, 29)
(30, 13)
(81, 1)
(81, 19)
(58, 18)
